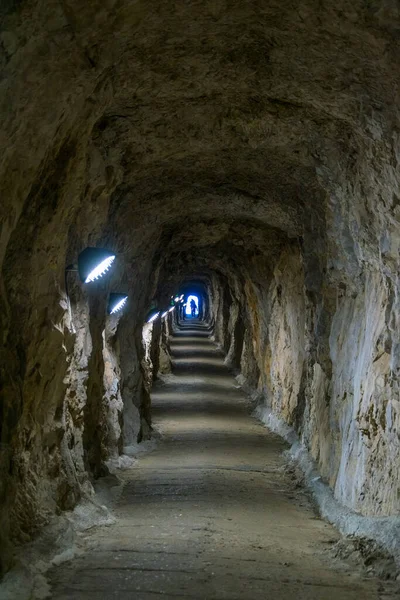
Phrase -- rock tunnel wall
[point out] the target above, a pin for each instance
(339, 393)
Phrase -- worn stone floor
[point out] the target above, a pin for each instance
(211, 513)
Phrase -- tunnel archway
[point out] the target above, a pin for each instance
(278, 127)
(192, 310)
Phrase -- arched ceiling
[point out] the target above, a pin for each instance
(188, 119)
(229, 111)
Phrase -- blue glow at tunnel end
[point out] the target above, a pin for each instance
(188, 310)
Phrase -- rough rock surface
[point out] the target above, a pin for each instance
(213, 512)
(248, 148)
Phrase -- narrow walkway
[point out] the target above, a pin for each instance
(211, 514)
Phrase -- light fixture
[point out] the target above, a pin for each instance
(176, 299)
(171, 309)
(93, 263)
(164, 314)
(153, 317)
(116, 302)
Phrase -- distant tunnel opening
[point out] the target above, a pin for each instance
(192, 307)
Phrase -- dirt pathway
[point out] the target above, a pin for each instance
(211, 514)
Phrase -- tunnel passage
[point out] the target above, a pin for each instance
(192, 306)
(211, 512)
(277, 125)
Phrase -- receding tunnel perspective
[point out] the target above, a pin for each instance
(199, 248)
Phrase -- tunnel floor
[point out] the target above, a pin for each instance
(212, 513)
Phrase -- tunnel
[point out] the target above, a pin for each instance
(246, 154)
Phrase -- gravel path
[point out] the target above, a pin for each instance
(211, 513)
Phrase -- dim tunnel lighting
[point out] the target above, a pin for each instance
(116, 302)
(93, 263)
(171, 309)
(164, 314)
(153, 317)
(176, 299)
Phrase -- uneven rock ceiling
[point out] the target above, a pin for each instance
(218, 110)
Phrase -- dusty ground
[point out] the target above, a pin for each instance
(212, 513)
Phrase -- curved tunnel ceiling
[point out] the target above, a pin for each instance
(232, 109)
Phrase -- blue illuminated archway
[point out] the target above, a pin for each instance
(188, 308)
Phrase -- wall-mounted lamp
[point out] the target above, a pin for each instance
(116, 302)
(93, 263)
(153, 317)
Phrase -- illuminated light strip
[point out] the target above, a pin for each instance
(176, 299)
(100, 269)
(171, 309)
(118, 306)
(164, 314)
(153, 318)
